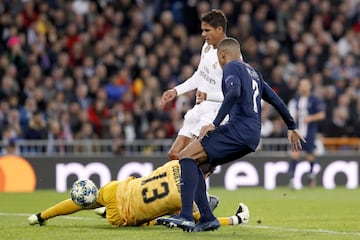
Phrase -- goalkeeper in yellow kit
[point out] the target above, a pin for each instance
(138, 201)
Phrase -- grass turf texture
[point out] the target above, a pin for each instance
(279, 214)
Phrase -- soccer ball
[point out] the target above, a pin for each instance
(83, 192)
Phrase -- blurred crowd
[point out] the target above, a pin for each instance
(96, 69)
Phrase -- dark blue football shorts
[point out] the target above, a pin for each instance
(222, 146)
(309, 146)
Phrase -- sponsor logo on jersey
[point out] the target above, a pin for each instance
(177, 175)
(207, 77)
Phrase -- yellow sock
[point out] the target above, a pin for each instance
(224, 221)
(150, 223)
(63, 208)
(196, 216)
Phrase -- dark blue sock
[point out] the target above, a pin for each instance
(292, 168)
(312, 163)
(202, 201)
(188, 185)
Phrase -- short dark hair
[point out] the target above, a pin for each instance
(215, 18)
(229, 42)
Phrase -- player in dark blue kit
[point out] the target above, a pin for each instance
(308, 110)
(243, 89)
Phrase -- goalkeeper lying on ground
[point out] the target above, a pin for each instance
(138, 201)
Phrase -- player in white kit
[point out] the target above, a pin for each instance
(207, 81)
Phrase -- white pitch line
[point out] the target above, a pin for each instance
(284, 229)
(27, 215)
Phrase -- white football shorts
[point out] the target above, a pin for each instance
(200, 115)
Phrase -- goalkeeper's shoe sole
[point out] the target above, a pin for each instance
(207, 226)
(36, 219)
(177, 221)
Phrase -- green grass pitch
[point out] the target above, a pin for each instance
(279, 214)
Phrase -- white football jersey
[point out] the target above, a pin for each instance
(207, 78)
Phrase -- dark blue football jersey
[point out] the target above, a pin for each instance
(243, 88)
(301, 107)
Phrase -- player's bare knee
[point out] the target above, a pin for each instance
(173, 155)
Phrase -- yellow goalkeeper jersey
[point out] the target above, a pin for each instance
(135, 201)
